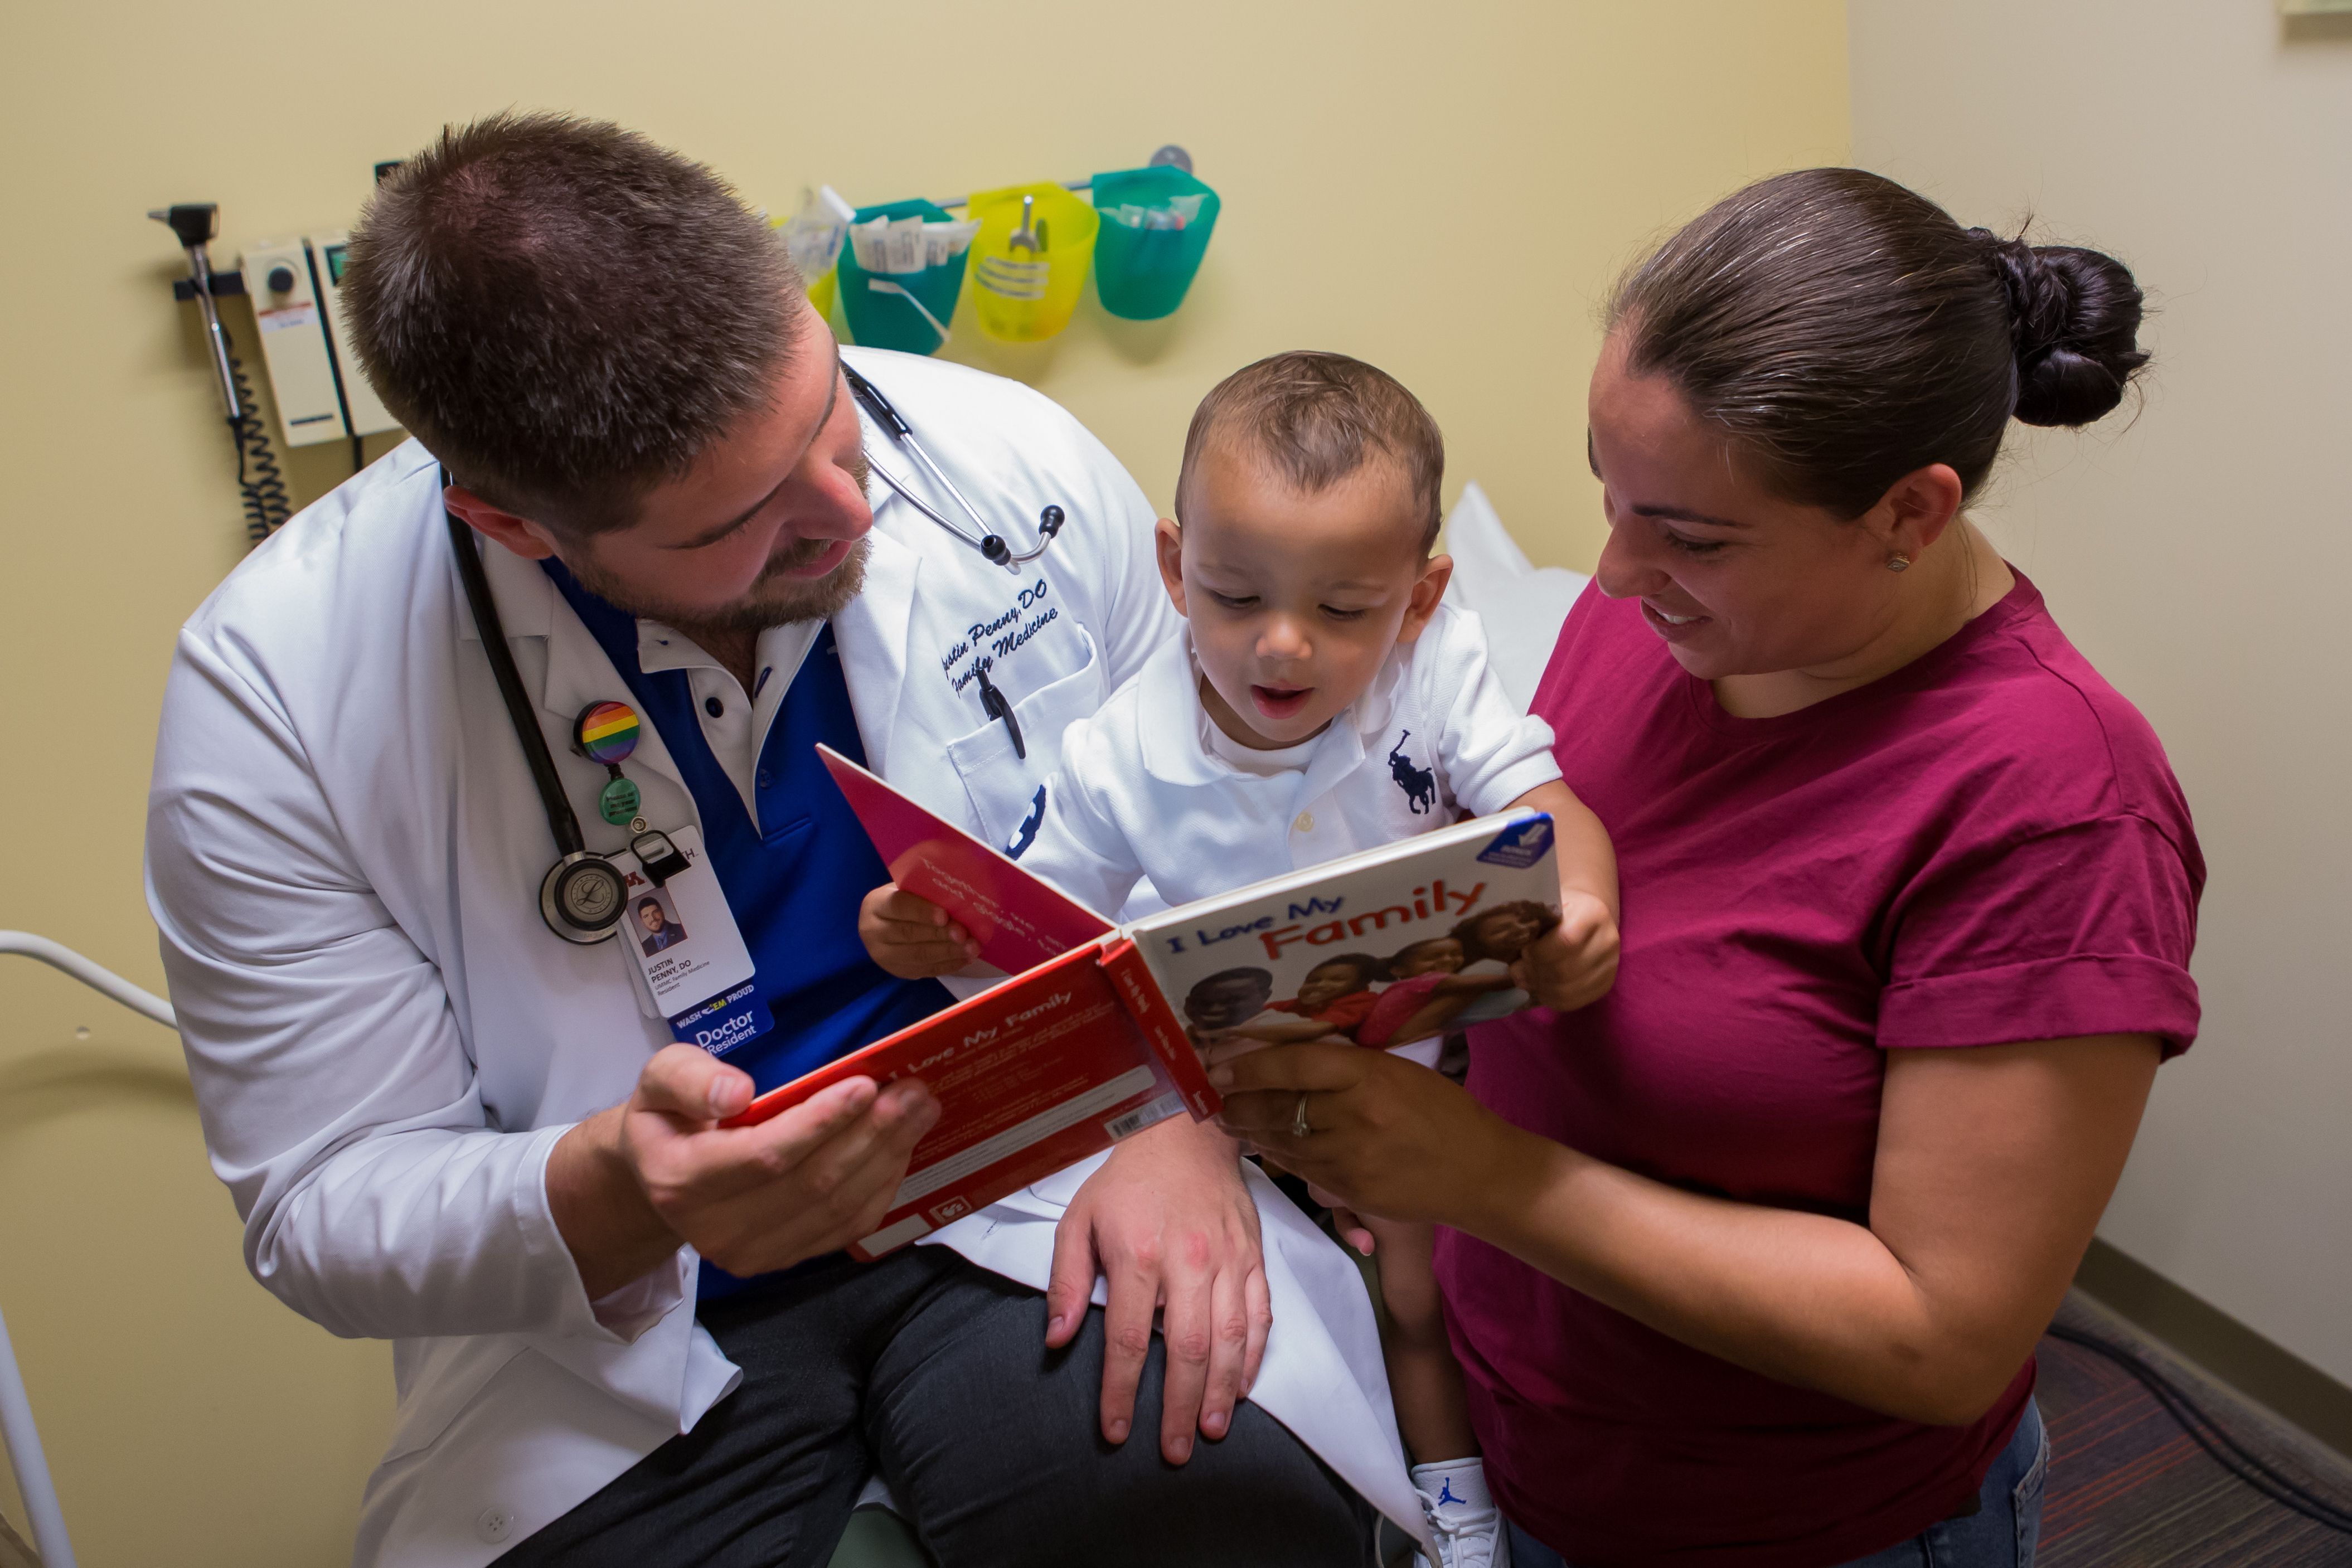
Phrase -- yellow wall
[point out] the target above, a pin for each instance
(1443, 190)
(2196, 553)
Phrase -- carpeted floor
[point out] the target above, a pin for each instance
(2128, 1488)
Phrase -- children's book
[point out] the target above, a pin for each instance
(1102, 1030)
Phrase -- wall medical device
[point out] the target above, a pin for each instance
(365, 410)
(258, 480)
(295, 289)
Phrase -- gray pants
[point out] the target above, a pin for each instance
(934, 1372)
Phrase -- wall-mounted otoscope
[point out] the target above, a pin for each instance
(195, 223)
(259, 478)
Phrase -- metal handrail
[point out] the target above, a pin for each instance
(24, 1440)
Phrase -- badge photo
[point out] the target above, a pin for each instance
(686, 947)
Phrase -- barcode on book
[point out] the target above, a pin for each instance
(1144, 1116)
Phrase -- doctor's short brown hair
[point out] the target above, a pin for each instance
(566, 313)
(1315, 418)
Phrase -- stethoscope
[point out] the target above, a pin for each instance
(583, 893)
(987, 541)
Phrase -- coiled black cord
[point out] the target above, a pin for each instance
(259, 478)
(2225, 1450)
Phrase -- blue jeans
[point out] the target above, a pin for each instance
(2002, 1533)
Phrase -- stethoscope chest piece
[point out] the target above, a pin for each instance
(582, 898)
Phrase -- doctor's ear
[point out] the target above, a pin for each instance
(526, 538)
(1168, 539)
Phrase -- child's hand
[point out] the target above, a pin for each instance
(912, 937)
(1574, 963)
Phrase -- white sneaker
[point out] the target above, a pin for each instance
(1461, 1515)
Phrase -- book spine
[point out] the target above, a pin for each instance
(1161, 1031)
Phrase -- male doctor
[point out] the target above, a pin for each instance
(624, 1335)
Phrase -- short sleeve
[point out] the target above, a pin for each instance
(1080, 847)
(1492, 752)
(2080, 931)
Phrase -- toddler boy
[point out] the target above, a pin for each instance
(1322, 699)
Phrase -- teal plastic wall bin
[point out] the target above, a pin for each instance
(1143, 274)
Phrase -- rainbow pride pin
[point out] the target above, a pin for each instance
(607, 732)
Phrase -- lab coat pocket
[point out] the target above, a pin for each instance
(1007, 787)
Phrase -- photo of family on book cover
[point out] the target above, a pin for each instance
(1399, 945)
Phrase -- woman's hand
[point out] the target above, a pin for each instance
(912, 937)
(1390, 1137)
(1170, 1224)
(1574, 963)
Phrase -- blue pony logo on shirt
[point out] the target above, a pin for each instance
(1418, 784)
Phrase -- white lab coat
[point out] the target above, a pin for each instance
(344, 854)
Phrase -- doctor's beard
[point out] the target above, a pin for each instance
(774, 598)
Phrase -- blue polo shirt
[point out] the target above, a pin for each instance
(794, 878)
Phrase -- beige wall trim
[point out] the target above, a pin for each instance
(2293, 1388)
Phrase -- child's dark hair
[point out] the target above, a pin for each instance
(1367, 968)
(1314, 418)
(1403, 956)
(1466, 931)
(1255, 978)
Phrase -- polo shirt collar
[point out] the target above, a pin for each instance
(1168, 716)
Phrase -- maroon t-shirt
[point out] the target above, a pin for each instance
(1986, 846)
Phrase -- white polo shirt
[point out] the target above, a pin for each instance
(1148, 787)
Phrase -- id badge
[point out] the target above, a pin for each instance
(690, 952)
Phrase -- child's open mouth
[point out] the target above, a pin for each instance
(1280, 702)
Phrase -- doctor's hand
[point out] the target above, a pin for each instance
(628, 1184)
(912, 937)
(1574, 963)
(1169, 1223)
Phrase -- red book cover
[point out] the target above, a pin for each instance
(1018, 920)
(1161, 1031)
(1032, 1076)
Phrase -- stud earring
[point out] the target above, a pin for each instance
(1898, 561)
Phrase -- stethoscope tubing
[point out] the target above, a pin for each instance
(560, 821)
(894, 424)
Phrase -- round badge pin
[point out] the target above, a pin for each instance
(617, 801)
(607, 732)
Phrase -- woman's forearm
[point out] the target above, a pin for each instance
(1993, 1165)
(1802, 1297)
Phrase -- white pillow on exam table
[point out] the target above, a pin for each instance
(1523, 605)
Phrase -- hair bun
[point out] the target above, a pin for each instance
(2074, 317)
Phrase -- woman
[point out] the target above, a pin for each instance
(1747, 1262)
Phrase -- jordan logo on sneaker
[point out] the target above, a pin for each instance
(1445, 1493)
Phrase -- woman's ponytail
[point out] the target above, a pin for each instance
(2074, 324)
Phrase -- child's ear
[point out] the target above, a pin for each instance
(1168, 541)
(1427, 590)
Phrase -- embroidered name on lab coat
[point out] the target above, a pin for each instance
(994, 638)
